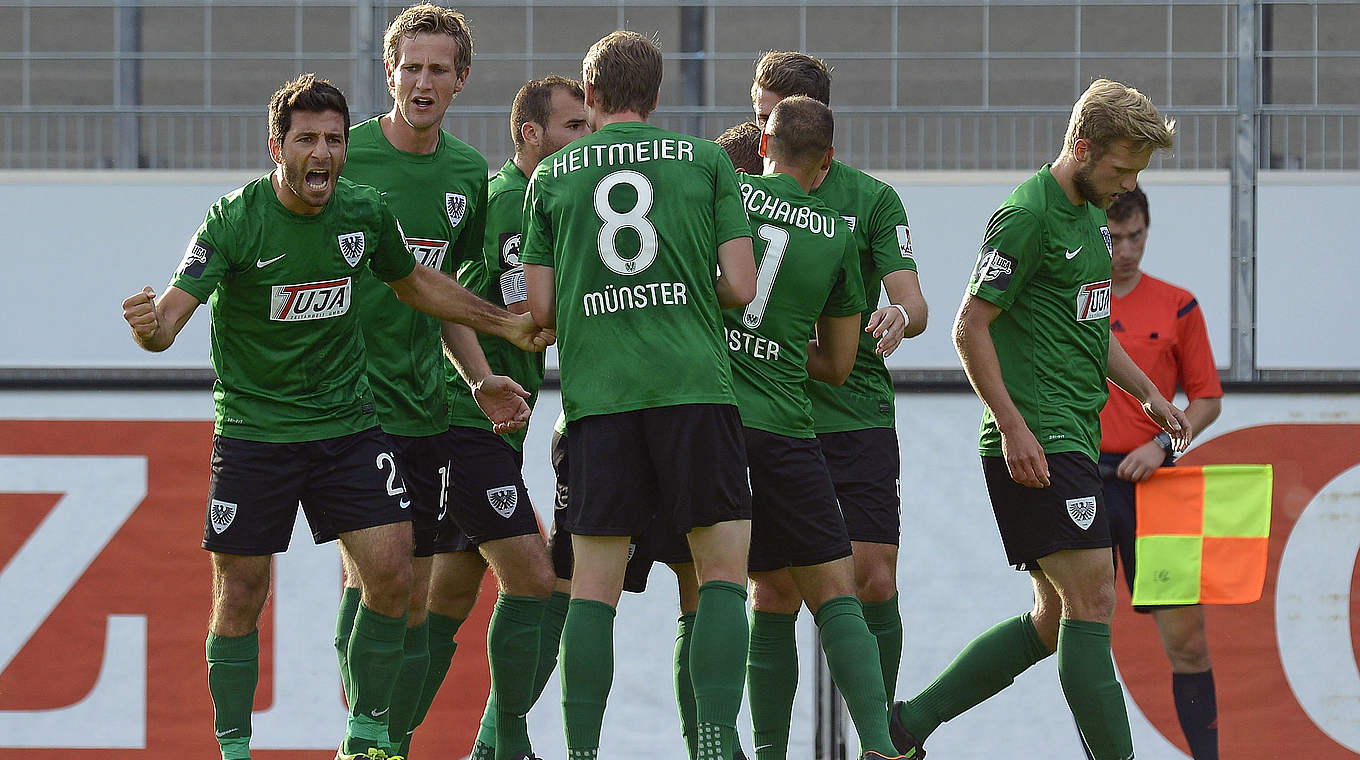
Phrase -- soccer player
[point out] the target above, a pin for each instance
(295, 415)
(1162, 329)
(624, 232)
(808, 277)
(436, 186)
(490, 516)
(1033, 334)
(855, 422)
(742, 143)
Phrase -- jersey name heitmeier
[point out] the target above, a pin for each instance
(622, 153)
(778, 210)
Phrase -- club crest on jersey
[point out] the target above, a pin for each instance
(509, 250)
(428, 252)
(503, 499)
(1093, 301)
(351, 247)
(994, 267)
(849, 220)
(455, 205)
(904, 241)
(195, 259)
(221, 514)
(1082, 511)
(1109, 242)
(309, 300)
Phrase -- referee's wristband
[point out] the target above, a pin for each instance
(906, 320)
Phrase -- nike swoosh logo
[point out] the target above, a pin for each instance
(404, 503)
(221, 734)
(1073, 254)
(763, 746)
(379, 714)
(261, 264)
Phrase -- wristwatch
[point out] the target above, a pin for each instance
(1163, 439)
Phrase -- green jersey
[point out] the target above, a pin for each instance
(498, 276)
(879, 224)
(1046, 263)
(630, 218)
(808, 266)
(440, 199)
(286, 342)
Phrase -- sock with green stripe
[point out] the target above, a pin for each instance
(233, 671)
(1086, 671)
(772, 681)
(375, 655)
(852, 658)
(885, 623)
(718, 663)
(987, 665)
(587, 663)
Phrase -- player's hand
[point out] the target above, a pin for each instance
(502, 400)
(527, 336)
(139, 309)
(1025, 458)
(1141, 462)
(1170, 419)
(888, 326)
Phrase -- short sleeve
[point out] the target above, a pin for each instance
(890, 235)
(847, 293)
(729, 215)
(500, 254)
(536, 247)
(206, 259)
(391, 260)
(1011, 254)
(472, 237)
(1196, 372)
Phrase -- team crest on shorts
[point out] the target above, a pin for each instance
(455, 205)
(221, 514)
(351, 247)
(1082, 511)
(503, 499)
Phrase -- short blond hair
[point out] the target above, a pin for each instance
(427, 18)
(1109, 111)
(624, 70)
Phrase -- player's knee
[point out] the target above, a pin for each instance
(1090, 601)
(387, 587)
(876, 583)
(775, 596)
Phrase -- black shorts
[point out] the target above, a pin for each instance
(1121, 500)
(1036, 522)
(795, 521)
(487, 498)
(347, 483)
(559, 540)
(866, 468)
(686, 463)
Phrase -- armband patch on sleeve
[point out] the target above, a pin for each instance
(994, 268)
(195, 260)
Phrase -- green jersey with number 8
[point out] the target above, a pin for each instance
(630, 218)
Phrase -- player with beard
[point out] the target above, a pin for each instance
(295, 415)
(1034, 337)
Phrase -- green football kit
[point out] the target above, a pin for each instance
(807, 266)
(442, 221)
(642, 264)
(1046, 263)
(286, 342)
(879, 225)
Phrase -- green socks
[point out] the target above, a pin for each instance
(717, 664)
(512, 651)
(375, 657)
(987, 665)
(344, 628)
(852, 658)
(441, 646)
(587, 663)
(549, 639)
(772, 681)
(233, 670)
(415, 660)
(1086, 671)
(885, 623)
(684, 685)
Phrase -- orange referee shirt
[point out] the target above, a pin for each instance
(1162, 329)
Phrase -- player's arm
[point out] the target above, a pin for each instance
(904, 317)
(538, 279)
(156, 322)
(1124, 373)
(1025, 458)
(736, 283)
(441, 296)
(500, 398)
(831, 355)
